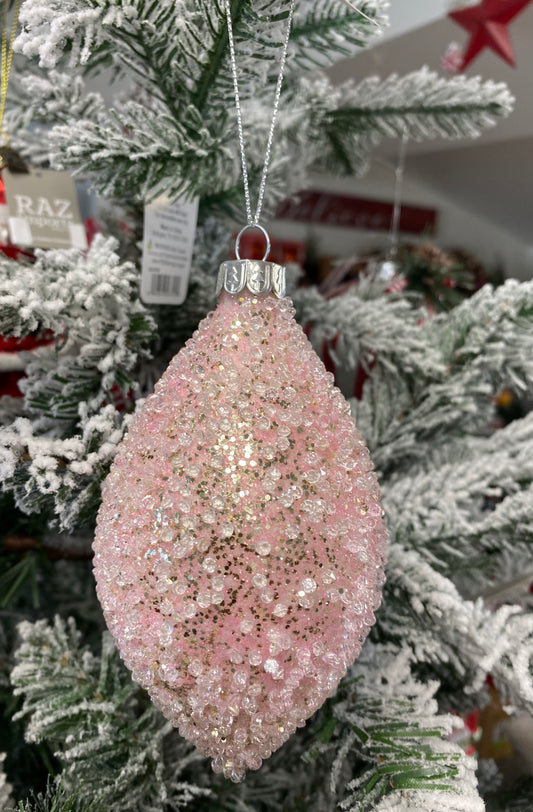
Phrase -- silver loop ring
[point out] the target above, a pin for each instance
(241, 232)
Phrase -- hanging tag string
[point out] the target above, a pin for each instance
(362, 14)
(394, 233)
(5, 64)
(253, 219)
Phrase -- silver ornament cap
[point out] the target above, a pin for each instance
(257, 275)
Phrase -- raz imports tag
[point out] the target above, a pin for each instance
(43, 209)
(169, 230)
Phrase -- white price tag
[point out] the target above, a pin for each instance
(168, 240)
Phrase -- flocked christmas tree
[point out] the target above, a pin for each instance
(71, 712)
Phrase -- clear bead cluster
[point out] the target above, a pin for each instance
(240, 544)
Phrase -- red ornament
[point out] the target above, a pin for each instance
(12, 364)
(487, 25)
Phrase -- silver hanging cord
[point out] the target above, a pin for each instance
(253, 220)
(394, 233)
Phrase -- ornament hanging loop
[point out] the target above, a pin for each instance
(241, 232)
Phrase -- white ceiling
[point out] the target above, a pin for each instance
(404, 15)
(492, 175)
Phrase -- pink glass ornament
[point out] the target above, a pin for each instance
(240, 543)
(452, 61)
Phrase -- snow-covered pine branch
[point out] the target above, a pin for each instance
(383, 337)
(90, 302)
(324, 33)
(423, 609)
(394, 720)
(485, 345)
(5, 788)
(107, 738)
(36, 99)
(182, 47)
(193, 152)
(54, 456)
(162, 153)
(56, 798)
(428, 383)
(368, 330)
(421, 105)
(475, 506)
(180, 136)
(60, 478)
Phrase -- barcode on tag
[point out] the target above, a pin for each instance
(169, 230)
(160, 283)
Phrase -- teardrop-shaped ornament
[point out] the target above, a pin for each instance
(240, 543)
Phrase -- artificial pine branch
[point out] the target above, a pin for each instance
(179, 137)
(5, 787)
(404, 741)
(54, 456)
(88, 707)
(55, 799)
(183, 48)
(420, 105)
(423, 610)
(382, 736)
(163, 153)
(320, 36)
(480, 347)
(475, 505)
(426, 406)
(190, 153)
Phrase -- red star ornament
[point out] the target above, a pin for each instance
(487, 24)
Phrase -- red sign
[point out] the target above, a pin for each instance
(355, 212)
